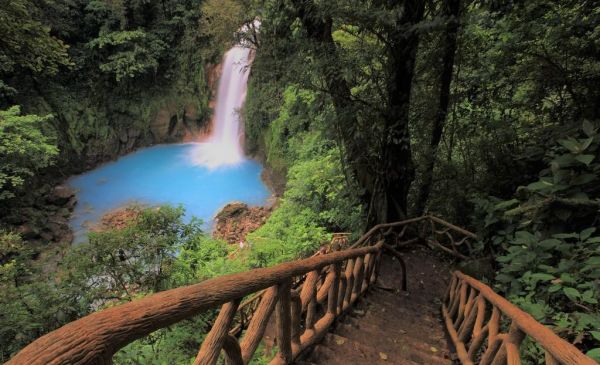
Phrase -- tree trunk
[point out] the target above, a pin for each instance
(385, 179)
(451, 11)
(398, 167)
(319, 31)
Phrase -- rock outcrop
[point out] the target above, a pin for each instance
(236, 220)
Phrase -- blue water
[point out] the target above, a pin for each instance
(164, 174)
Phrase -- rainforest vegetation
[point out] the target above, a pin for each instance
(486, 113)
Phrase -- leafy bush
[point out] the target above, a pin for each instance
(116, 265)
(318, 198)
(547, 245)
(24, 149)
(128, 54)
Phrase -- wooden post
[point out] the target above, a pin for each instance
(509, 352)
(333, 290)
(349, 274)
(341, 294)
(309, 288)
(258, 324)
(367, 272)
(358, 277)
(296, 317)
(233, 354)
(211, 347)
(284, 322)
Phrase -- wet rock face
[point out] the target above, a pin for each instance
(61, 195)
(236, 220)
(44, 217)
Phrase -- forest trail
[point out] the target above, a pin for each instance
(389, 326)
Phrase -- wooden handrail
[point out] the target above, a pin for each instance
(95, 338)
(470, 322)
(329, 284)
(380, 227)
(450, 238)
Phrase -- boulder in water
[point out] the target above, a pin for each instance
(61, 195)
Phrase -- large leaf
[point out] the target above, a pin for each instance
(586, 233)
(570, 144)
(539, 185)
(550, 243)
(594, 354)
(584, 179)
(588, 128)
(572, 293)
(585, 159)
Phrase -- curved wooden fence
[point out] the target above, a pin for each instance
(474, 316)
(302, 298)
(428, 229)
(333, 283)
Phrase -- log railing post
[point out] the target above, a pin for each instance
(375, 274)
(233, 353)
(341, 293)
(309, 323)
(213, 343)
(358, 277)
(349, 274)
(308, 298)
(258, 323)
(366, 279)
(296, 318)
(284, 323)
(333, 290)
(509, 350)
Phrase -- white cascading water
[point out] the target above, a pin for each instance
(223, 146)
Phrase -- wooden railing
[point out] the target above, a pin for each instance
(430, 230)
(475, 317)
(333, 283)
(248, 307)
(302, 299)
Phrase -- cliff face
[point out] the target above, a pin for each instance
(91, 130)
(165, 120)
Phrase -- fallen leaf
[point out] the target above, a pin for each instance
(383, 356)
(433, 349)
(340, 341)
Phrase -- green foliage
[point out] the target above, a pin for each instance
(26, 43)
(524, 77)
(546, 245)
(222, 19)
(177, 344)
(128, 54)
(127, 61)
(116, 265)
(131, 261)
(30, 305)
(24, 149)
(203, 258)
(317, 198)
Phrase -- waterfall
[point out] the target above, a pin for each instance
(223, 146)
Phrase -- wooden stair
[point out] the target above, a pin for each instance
(389, 326)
